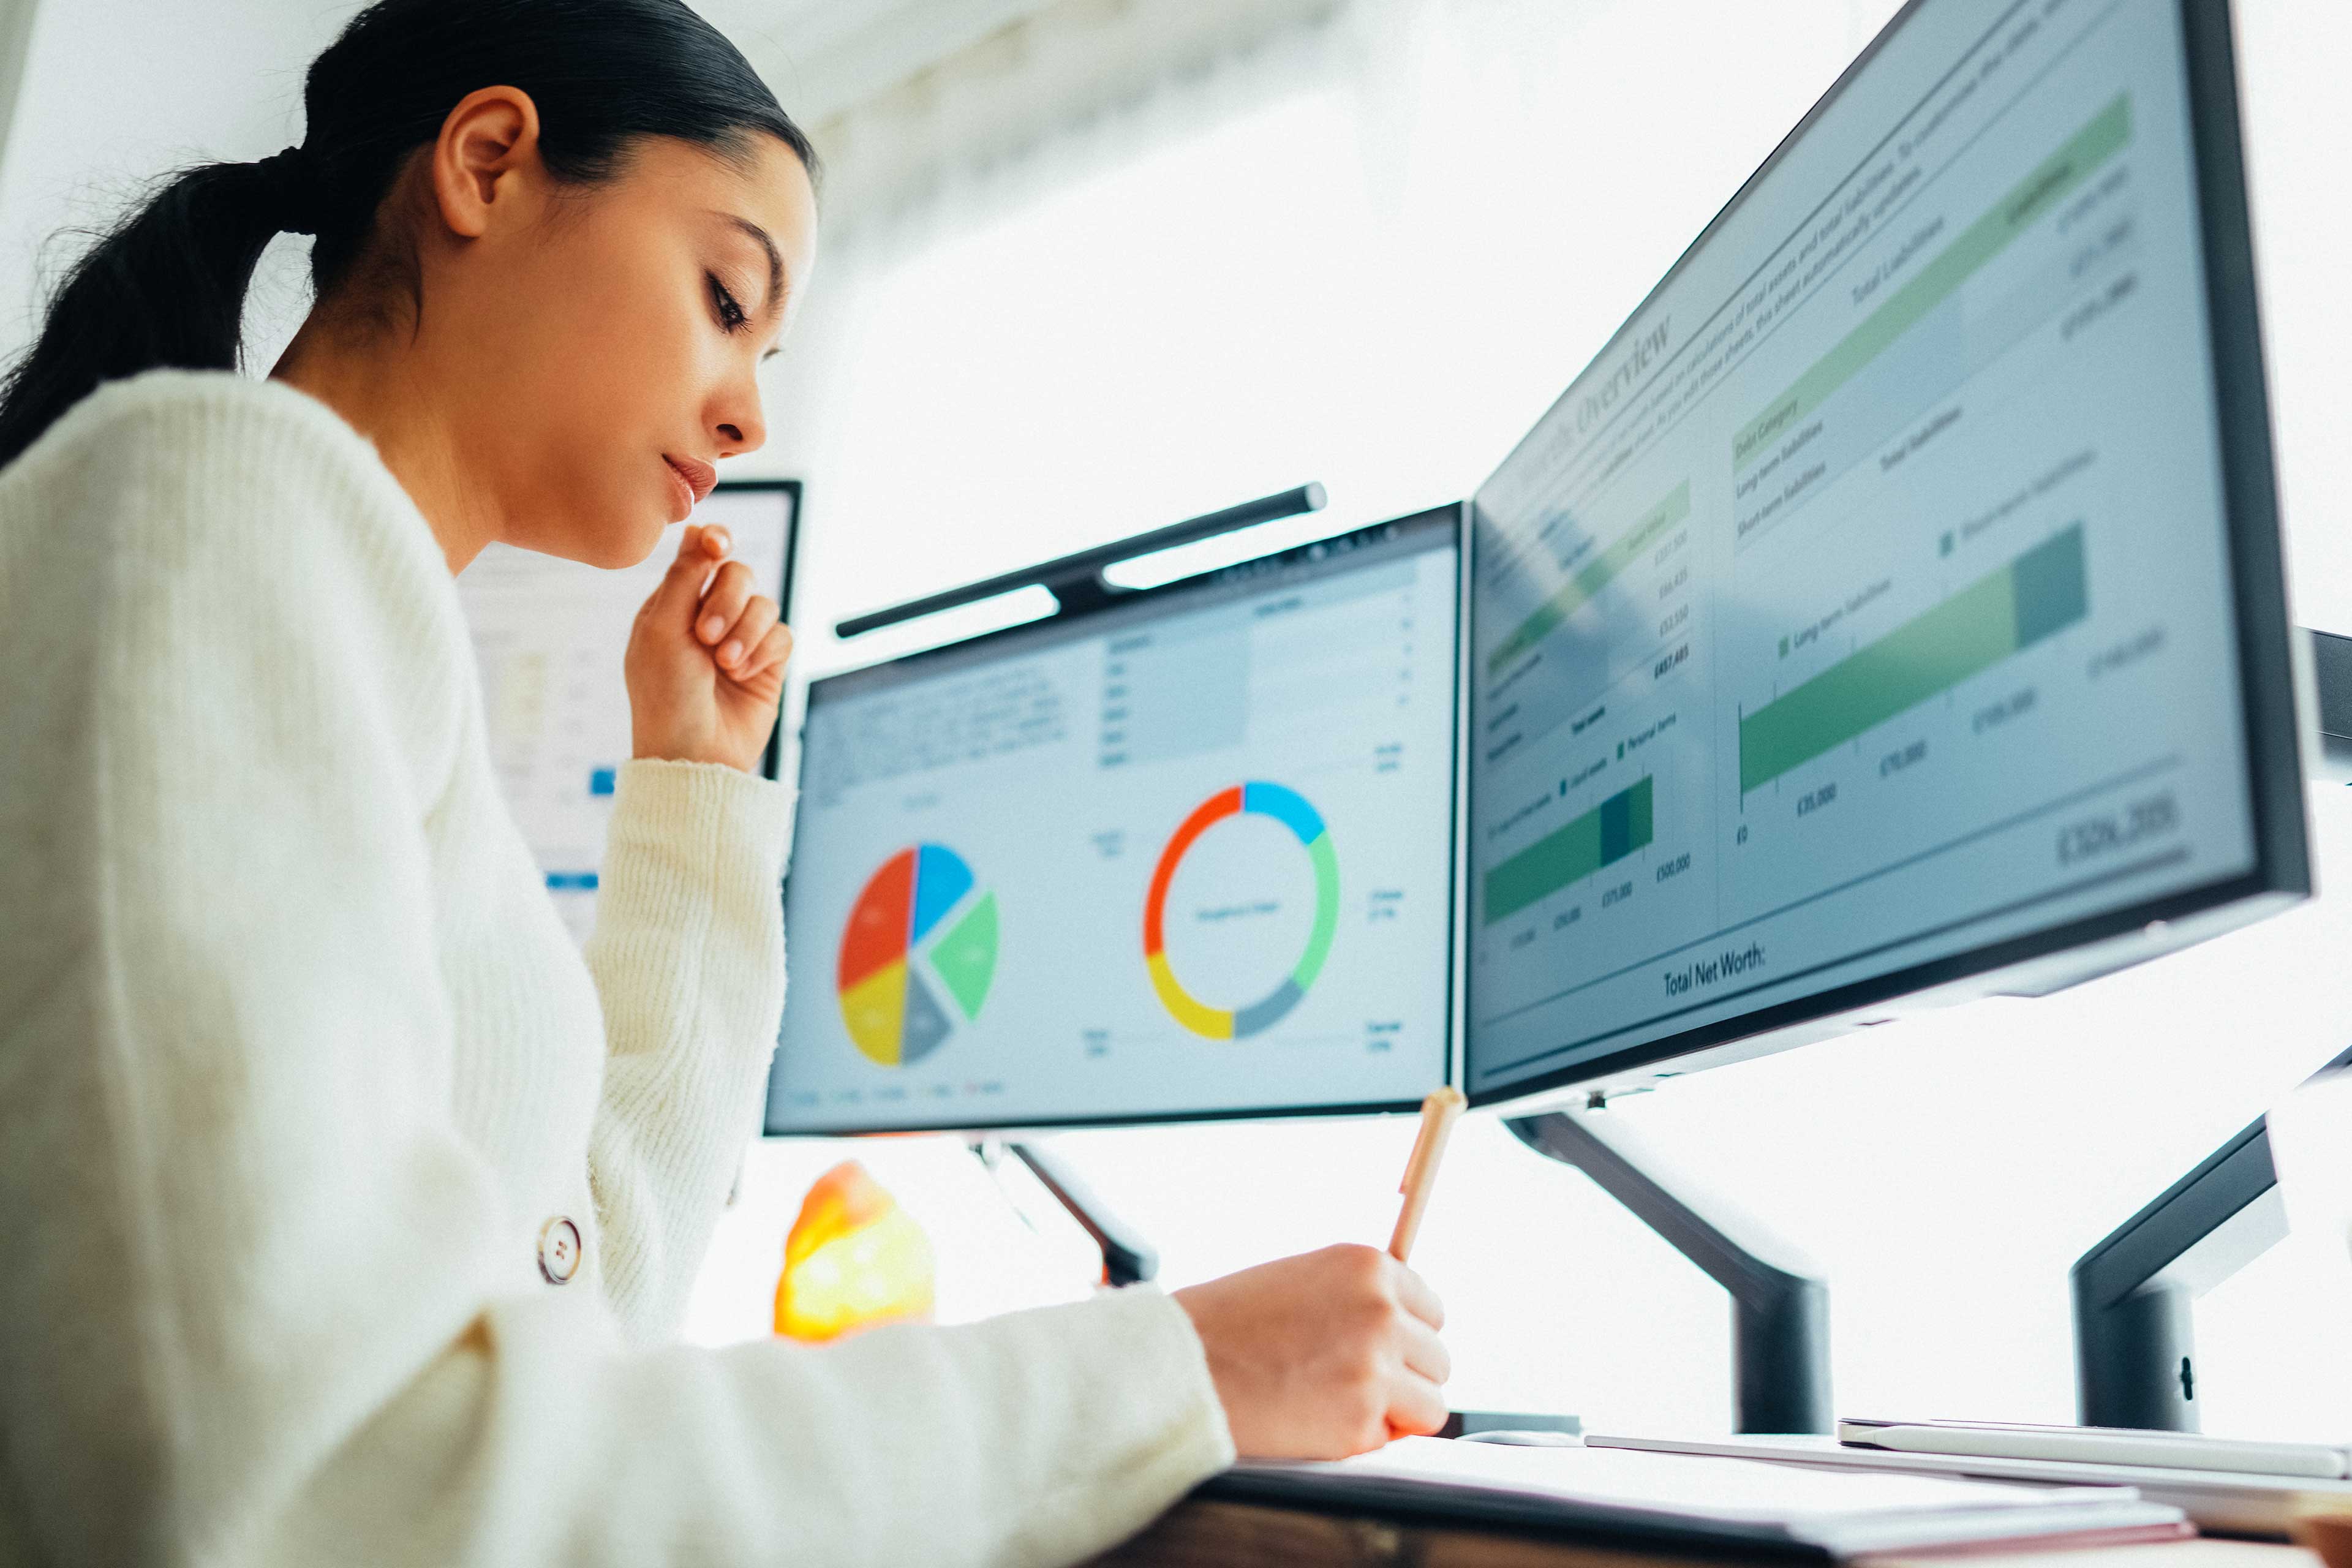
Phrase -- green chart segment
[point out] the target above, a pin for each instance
(1615, 828)
(1580, 589)
(2039, 595)
(2057, 176)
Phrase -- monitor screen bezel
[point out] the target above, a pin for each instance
(2280, 873)
(1445, 524)
(772, 759)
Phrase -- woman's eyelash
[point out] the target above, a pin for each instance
(730, 314)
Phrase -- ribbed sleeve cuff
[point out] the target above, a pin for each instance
(1167, 1353)
(741, 818)
(689, 923)
(1143, 1351)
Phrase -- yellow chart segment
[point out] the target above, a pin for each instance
(873, 1009)
(1215, 1023)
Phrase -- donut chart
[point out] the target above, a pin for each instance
(899, 930)
(1289, 808)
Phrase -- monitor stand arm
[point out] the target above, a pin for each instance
(2135, 1292)
(1780, 1309)
(1127, 1257)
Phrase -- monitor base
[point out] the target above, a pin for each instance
(2134, 1293)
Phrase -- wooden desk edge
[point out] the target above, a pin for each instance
(1207, 1533)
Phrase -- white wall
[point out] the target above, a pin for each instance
(114, 94)
(2298, 118)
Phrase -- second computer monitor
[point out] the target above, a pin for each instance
(549, 635)
(1896, 601)
(1187, 855)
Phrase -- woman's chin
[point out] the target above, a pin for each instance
(614, 543)
(626, 546)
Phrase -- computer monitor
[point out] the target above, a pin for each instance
(549, 634)
(1893, 609)
(1187, 855)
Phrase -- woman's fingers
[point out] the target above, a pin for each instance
(681, 585)
(771, 652)
(1423, 1351)
(745, 636)
(1416, 1407)
(722, 602)
(705, 661)
(1413, 1294)
(1416, 1396)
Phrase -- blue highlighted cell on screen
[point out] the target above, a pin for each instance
(601, 780)
(572, 881)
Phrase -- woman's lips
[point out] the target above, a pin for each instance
(694, 478)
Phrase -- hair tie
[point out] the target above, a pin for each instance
(294, 189)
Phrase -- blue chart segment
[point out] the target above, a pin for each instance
(941, 879)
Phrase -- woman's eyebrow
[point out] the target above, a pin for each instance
(775, 259)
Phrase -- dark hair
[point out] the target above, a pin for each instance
(166, 287)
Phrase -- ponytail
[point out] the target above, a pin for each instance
(166, 288)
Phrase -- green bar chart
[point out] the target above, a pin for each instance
(2039, 594)
(1598, 574)
(2025, 203)
(1607, 834)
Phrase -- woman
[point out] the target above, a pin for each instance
(348, 1209)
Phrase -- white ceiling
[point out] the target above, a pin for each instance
(823, 57)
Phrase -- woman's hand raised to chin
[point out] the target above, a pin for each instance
(705, 661)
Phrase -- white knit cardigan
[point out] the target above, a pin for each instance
(298, 1067)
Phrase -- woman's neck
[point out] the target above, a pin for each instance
(366, 377)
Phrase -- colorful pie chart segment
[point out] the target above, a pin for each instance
(919, 927)
(1291, 809)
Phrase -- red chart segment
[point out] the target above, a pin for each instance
(1207, 814)
(877, 935)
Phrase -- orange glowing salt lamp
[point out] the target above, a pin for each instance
(853, 1259)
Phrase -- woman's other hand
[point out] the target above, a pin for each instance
(705, 661)
(1323, 1355)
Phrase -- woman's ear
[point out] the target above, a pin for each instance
(487, 149)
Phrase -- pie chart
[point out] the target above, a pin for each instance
(921, 930)
(1289, 808)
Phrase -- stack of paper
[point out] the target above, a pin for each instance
(2219, 1502)
(1690, 1498)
